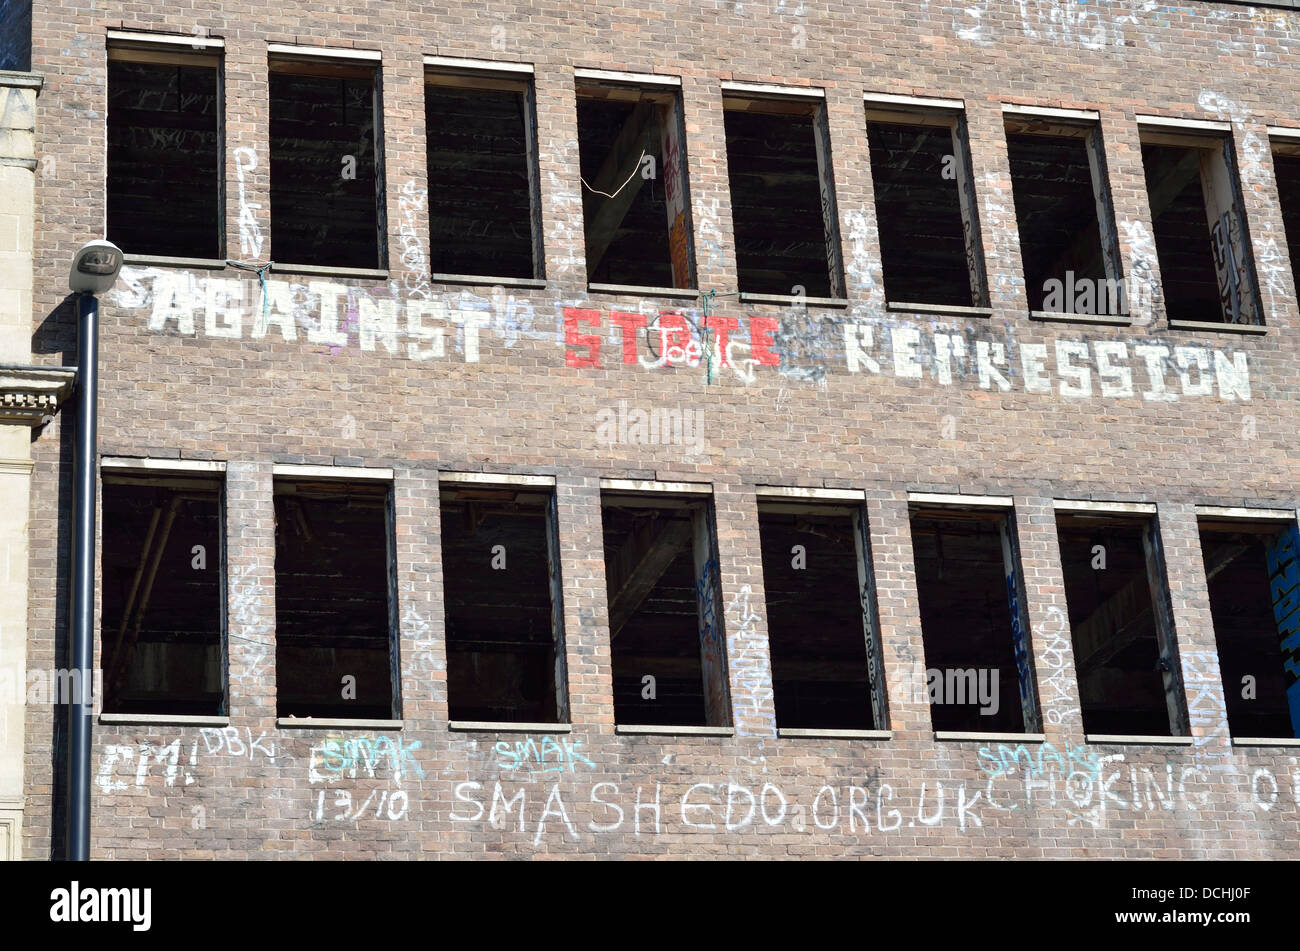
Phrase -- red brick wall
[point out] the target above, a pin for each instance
(253, 402)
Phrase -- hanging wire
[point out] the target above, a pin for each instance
(635, 169)
(260, 270)
(706, 306)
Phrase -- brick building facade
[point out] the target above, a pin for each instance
(445, 394)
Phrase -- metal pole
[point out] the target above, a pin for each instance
(81, 648)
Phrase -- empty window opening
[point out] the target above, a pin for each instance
(925, 209)
(822, 633)
(165, 157)
(326, 186)
(634, 199)
(1068, 243)
(505, 644)
(1253, 572)
(783, 197)
(163, 599)
(1200, 228)
(1286, 166)
(973, 621)
(335, 631)
(1124, 651)
(665, 619)
(483, 205)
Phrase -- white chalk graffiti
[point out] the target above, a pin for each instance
(227, 741)
(1142, 253)
(250, 232)
(414, 257)
(422, 662)
(249, 631)
(1060, 705)
(751, 671)
(1258, 33)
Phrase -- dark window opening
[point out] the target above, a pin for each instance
(505, 648)
(165, 157)
(335, 652)
(482, 178)
(1123, 653)
(665, 620)
(1200, 229)
(925, 211)
(782, 198)
(326, 186)
(818, 618)
(1253, 573)
(1286, 166)
(634, 202)
(1067, 240)
(163, 597)
(975, 642)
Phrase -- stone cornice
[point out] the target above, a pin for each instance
(16, 79)
(31, 394)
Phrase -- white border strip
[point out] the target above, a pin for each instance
(478, 65)
(962, 501)
(495, 726)
(769, 89)
(1245, 514)
(162, 465)
(639, 79)
(649, 485)
(788, 733)
(800, 492)
(923, 102)
(1048, 112)
(165, 39)
(1124, 739)
(966, 736)
(333, 472)
(1116, 508)
(1283, 132)
(322, 52)
(638, 729)
(333, 723)
(495, 478)
(161, 719)
(1190, 125)
(1265, 741)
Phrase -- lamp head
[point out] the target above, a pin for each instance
(95, 267)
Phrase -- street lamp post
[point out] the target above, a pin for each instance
(94, 271)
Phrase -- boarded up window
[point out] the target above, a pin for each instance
(634, 199)
(665, 619)
(163, 599)
(335, 629)
(822, 632)
(165, 170)
(483, 217)
(326, 181)
(505, 641)
(783, 197)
